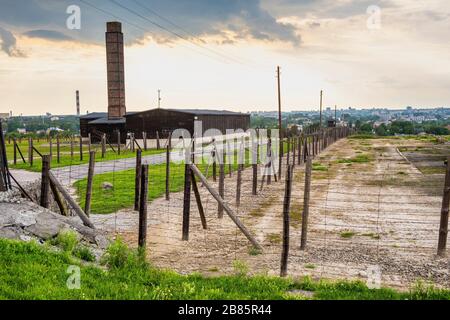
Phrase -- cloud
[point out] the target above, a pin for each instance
(8, 44)
(48, 35)
(193, 19)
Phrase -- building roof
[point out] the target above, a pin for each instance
(105, 120)
(94, 115)
(198, 112)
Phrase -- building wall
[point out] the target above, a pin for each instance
(166, 121)
(163, 121)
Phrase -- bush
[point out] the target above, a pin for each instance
(84, 253)
(118, 256)
(67, 240)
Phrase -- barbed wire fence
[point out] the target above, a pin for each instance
(385, 221)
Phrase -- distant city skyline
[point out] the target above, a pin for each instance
(223, 54)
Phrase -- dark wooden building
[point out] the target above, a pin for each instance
(166, 121)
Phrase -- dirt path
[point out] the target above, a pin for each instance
(370, 208)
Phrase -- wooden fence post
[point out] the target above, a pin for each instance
(45, 182)
(288, 157)
(299, 153)
(255, 179)
(144, 138)
(186, 201)
(58, 149)
(71, 147)
(137, 182)
(15, 150)
(280, 158)
(221, 188)
(118, 142)
(58, 199)
(443, 226)
(286, 210)
(227, 209)
(30, 151)
(89, 143)
(239, 185)
(214, 167)
(294, 144)
(50, 142)
(158, 143)
(81, 148)
(167, 173)
(306, 197)
(199, 201)
(142, 240)
(90, 180)
(103, 145)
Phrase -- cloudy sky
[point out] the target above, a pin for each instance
(223, 53)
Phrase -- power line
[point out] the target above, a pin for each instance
(170, 31)
(141, 28)
(180, 28)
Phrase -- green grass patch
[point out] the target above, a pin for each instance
(360, 158)
(375, 236)
(274, 238)
(317, 166)
(347, 234)
(29, 271)
(432, 170)
(66, 160)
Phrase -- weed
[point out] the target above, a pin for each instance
(240, 268)
(274, 238)
(67, 240)
(347, 234)
(254, 251)
(84, 253)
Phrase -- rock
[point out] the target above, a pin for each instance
(46, 227)
(107, 186)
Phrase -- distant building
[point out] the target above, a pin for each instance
(21, 130)
(4, 116)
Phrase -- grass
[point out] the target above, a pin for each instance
(432, 170)
(259, 211)
(347, 234)
(121, 195)
(360, 158)
(274, 238)
(296, 214)
(32, 271)
(371, 235)
(66, 159)
(317, 166)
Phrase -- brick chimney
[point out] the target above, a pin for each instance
(77, 94)
(115, 68)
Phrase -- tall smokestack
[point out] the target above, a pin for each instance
(116, 72)
(78, 102)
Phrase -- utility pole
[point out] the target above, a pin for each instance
(279, 99)
(335, 115)
(159, 99)
(321, 96)
(280, 155)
